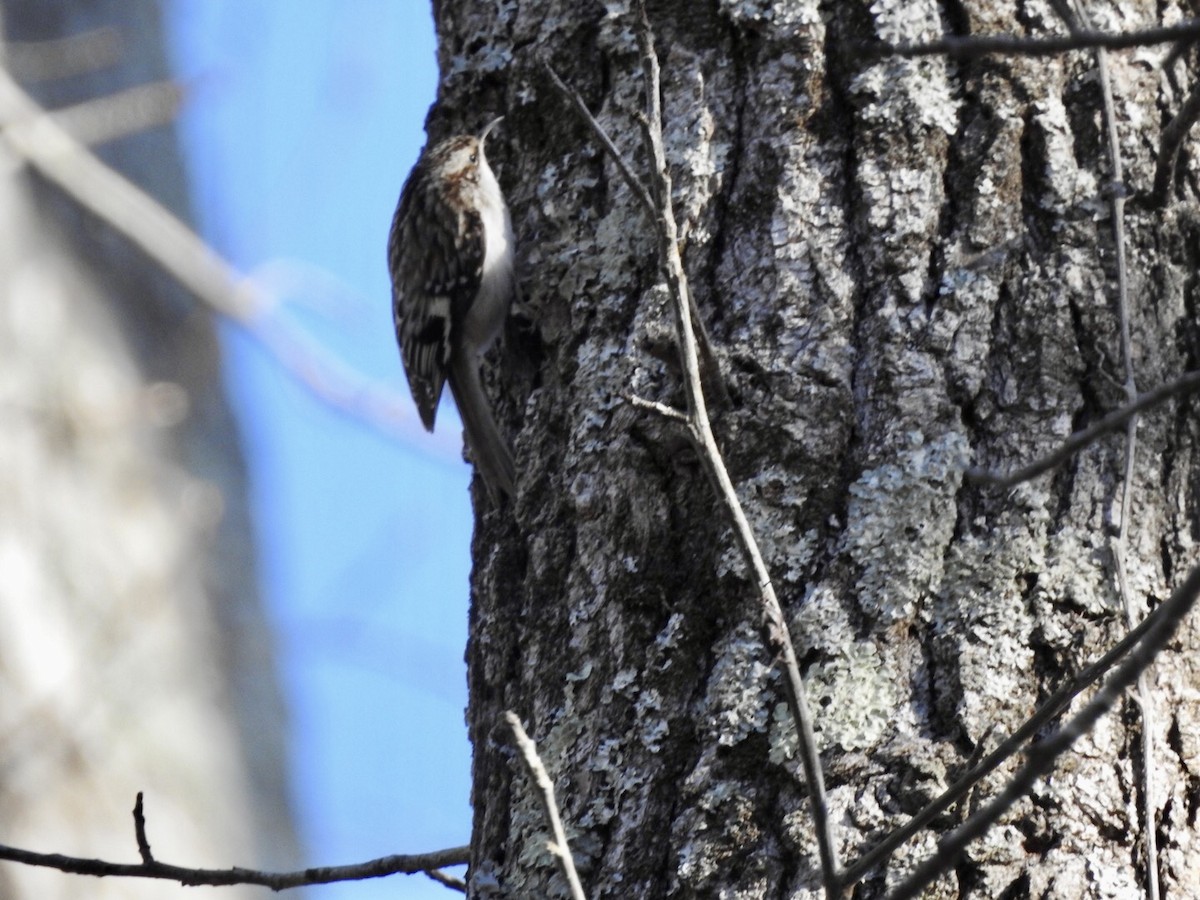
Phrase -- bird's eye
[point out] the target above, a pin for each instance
(474, 157)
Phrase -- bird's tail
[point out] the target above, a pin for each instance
(489, 448)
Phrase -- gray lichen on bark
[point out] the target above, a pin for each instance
(907, 267)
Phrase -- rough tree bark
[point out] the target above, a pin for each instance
(907, 267)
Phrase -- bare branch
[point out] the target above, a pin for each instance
(1045, 754)
(558, 847)
(778, 639)
(276, 881)
(149, 867)
(33, 134)
(667, 412)
(126, 112)
(1169, 143)
(139, 831)
(708, 359)
(87, 51)
(972, 46)
(1185, 384)
(455, 884)
(635, 183)
(1121, 542)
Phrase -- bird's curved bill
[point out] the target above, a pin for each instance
(487, 128)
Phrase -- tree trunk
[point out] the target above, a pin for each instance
(134, 653)
(907, 267)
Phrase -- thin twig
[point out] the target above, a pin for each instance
(1011, 45)
(139, 831)
(450, 881)
(276, 881)
(34, 135)
(1045, 754)
(635, 183)
(1185, 384)
(1145, 696)
(75, 54)
(708, 358)
(662, 409)
(126, 112)
(1046, 713)
(1121, 542)
(778, 639)
(558, 846)
(1169, 143)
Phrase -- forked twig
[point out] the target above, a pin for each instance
(151, 868)
(699, 427)
(635, 183)
(708, 359)
(778, 639)
(558, 846)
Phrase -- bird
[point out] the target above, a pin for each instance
(450, 256)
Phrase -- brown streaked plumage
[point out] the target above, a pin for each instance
(450, 255)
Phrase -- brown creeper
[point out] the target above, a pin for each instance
(450, 253)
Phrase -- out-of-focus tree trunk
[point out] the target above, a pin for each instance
(906, 267)
(133, 651)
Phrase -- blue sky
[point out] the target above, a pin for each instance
(301, 123)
